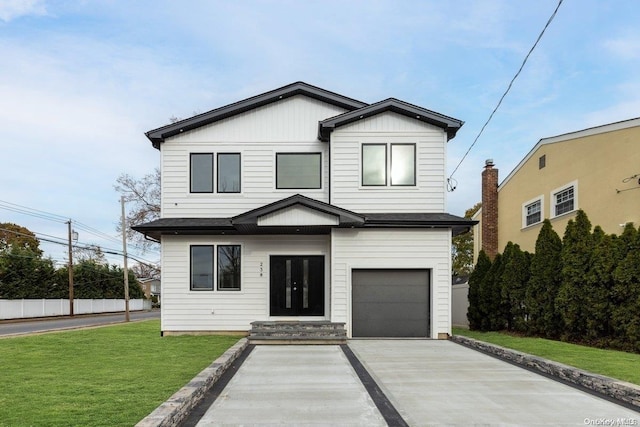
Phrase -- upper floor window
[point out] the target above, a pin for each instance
(201, 173)
(298, 170)
(377, 165)
(564, 199)
(533, 213)
(228, 172)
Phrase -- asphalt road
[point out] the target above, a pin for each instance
(60, 323)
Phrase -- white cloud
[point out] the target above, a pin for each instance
(12, 9)
(627, 48)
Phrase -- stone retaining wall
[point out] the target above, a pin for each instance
(610, 387)
(178, 406)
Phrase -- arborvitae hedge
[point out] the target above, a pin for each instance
(585, 288)
(475, 314)
(542, 288)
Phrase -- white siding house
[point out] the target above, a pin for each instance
(301, 204)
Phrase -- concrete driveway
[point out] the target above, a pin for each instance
(429, 383)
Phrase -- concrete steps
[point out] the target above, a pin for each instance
(297, 332)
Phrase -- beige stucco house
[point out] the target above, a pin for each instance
(596, 170)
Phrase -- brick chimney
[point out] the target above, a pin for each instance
(490, 209)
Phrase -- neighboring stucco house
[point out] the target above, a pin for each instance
(596, 170)
(305, 205)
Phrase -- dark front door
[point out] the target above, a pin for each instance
(297, 285)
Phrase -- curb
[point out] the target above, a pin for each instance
(177, 407)
(623, 392)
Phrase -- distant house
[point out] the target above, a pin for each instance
(150, 286)
(302, 204)
(596, 170)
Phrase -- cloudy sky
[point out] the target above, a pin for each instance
(81, 81)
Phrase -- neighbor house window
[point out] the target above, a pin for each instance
(542, 161)
(298, 170)
(229, 267)
(201, 172)
(228, 172)
(376, 165)
(564, 201)
(533, 213)
(202, 268)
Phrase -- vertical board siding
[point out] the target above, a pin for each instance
(429, 193)
(186, 310)
(394, 249)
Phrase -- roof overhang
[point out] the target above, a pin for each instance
(448, 124)
(159, 135)
(249, 223)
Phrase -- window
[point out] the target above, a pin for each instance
(229, 267)
(228, 172)
(564, 201)
(201, 268)
(201, 172)
(376, 165)
(533, 213)
(298, 170)
(403, 164)
(542, 161)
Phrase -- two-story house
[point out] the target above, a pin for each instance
(303, 204)
(595, 169)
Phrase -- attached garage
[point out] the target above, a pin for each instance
(390, 303)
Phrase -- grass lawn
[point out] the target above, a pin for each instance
(109, 376)
(612, 363)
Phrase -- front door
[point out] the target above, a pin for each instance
(297, 285)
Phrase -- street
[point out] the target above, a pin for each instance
(20, 327)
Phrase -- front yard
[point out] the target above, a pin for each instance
(616, 364)
(110, 376)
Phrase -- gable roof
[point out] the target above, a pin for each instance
(346, 217)
(597, 130)
(156, 136)
(449, 124)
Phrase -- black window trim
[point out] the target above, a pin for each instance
(415, 166)
(386, 162)
(213, 171)
(217, 268)
(213, 261)
(319, 153)
(218, 172)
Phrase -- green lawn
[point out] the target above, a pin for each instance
(612, 363)
(110, 376)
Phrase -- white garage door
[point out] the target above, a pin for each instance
(390, 303)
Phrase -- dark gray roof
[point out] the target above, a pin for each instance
(247, 223)
(449, 124)
(346, 217)
(298, 88)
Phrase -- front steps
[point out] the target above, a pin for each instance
(297, 332)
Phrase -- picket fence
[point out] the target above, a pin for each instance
(29, 308)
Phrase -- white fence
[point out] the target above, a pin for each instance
(460, 304)
(28, 308)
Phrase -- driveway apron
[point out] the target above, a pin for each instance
(436, 383)
(294, 385)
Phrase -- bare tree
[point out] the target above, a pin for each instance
(143, 203)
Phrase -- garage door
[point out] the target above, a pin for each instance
(390, 303)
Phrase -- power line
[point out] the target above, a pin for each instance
(553, 15)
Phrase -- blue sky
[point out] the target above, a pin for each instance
(81, 81)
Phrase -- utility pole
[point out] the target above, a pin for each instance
(126, 271)
(70, 271)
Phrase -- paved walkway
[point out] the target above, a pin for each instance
(431, 383)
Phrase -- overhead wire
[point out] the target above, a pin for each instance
(450, 180)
